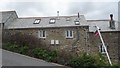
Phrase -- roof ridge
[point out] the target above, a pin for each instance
(50, 16)
(100, 20)
(8, 11)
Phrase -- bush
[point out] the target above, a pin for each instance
(23, 50)
(16, 48)
(82, 61)
(10, 47)
(44, 54)
(21, 39)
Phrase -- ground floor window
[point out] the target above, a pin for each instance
(102, 49)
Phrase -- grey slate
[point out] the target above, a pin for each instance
(102, 24)
(21, 23)
(28, 22)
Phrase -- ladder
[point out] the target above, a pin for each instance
(106, 52)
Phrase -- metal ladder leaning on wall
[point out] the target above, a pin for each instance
(106, 52)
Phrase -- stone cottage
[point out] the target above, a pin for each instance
(67, 32)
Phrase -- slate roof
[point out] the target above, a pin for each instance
(28, 22)
(21, 23)
(102, 24)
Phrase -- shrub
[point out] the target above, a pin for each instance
(100, 59)
(82, 61)
(44, 54)
(16, 48)
(23, 50)
(11, 47)
(21, 39)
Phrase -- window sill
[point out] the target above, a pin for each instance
(103, 53)
(43, 37)
(69, 37)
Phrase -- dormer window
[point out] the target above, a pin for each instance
(77, 22)
(37, 21)
(52, 21)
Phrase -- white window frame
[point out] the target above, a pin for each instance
(101, 49)
(69, 34)
(37, 21)
(41, 34)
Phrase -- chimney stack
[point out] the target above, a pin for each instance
(78, 15)
(57, 14)
(111, 16)
(112, 22)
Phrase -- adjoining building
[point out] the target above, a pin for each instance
(67, 32)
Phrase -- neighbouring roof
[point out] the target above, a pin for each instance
(102, 24)
(4, 15)
(44, 23)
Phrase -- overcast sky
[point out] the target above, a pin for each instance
(91, 10)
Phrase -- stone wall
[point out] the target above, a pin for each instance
(86, 42)
(111, 41)
(57, 34)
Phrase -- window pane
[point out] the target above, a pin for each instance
(37, 21)
(67, 33)
(52, 21)
(43, 33)
(40, 33)
(71, 34)
(103, 50)
(77, 22)
(100, 48)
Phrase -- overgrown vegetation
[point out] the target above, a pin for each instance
(16, 48)
(29, 45)
(44, 54)
(86, 61)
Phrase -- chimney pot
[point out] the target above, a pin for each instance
(78, 15)
(57, 14)
(112, 22)
(111, 16)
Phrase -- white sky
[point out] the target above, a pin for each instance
(91, 10)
